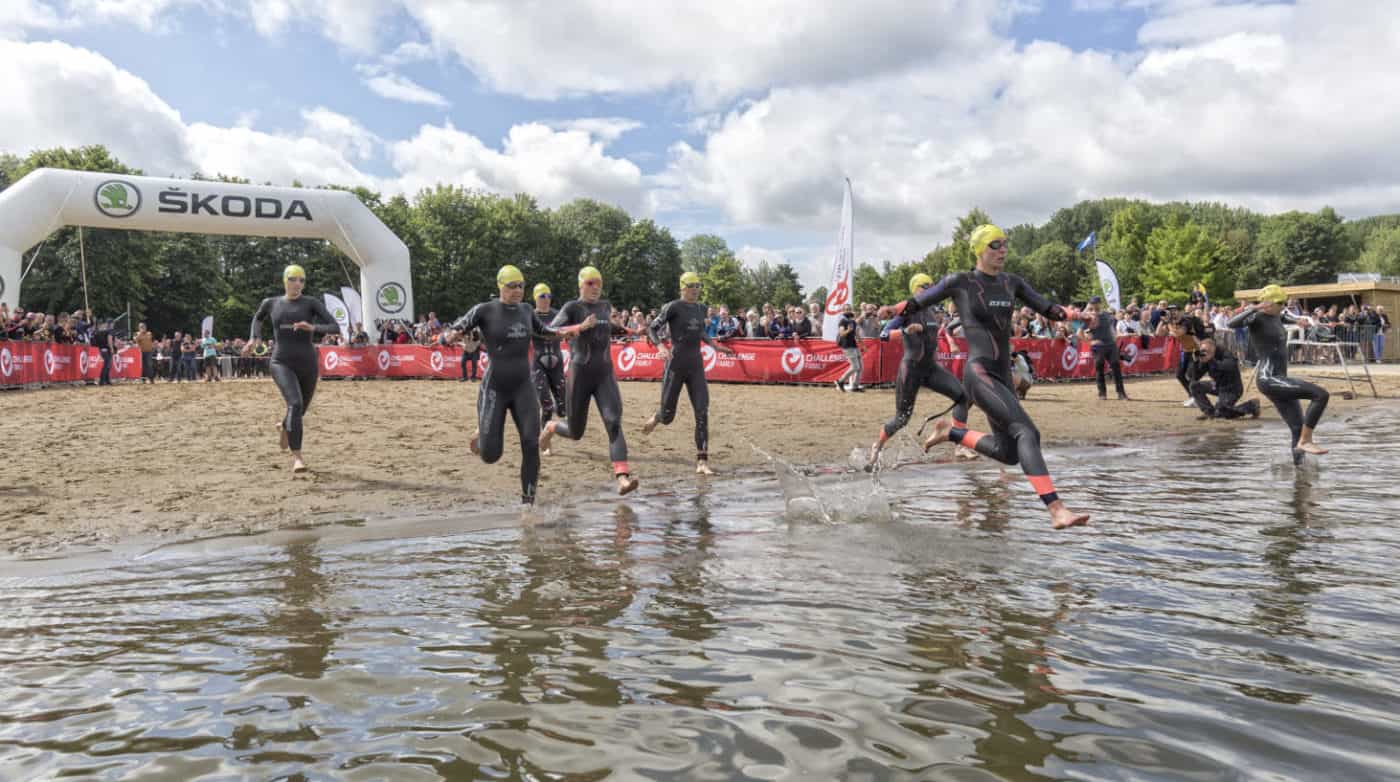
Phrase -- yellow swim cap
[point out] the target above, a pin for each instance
(293, 271)
(690, 278)
(589, 273)
(1273, 294)
(507, 274)
(984, 235)
(918, 281)
(541, 290)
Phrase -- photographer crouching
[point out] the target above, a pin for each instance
(1189, 331)
(1218, 374)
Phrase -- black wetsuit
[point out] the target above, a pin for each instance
(294, 364)
(685, 323)
(591, 377)
(548, 371)
(506, 333)
(1269, 340)
(1224, 381)
(1104, 333)
(919, 368)
(986, 305)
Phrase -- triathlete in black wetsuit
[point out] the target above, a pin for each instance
(1219, 374)
(548, 366)
(507, 328)
(590, 376)
(1269, 340)
(295, 365)
(986, 299)
(1103, 340)
(685, 319)
(919, 368)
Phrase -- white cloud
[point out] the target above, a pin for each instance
(343, 133)
(17, 17)
(268, 157)
(354, 24)
(391, 85)
(1208, 22)
(608, 129)
(553, 166)
(1291, 113)
(73, 97)
(715, 49)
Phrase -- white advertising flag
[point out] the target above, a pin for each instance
(1109, 282)
(839, 294)
(207, 325)
(352, 302)
(341, 314)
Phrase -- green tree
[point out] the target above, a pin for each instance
(787, 288)
(701, 250)
(1055, 270)
(1179, 255)
(866, 284)
(643, 266)
(1382, 253)
(724, 282)
(1297, 248)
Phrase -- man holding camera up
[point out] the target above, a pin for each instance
(1189, 330)
(1219, 374)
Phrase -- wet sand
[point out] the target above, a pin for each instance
(94, 467)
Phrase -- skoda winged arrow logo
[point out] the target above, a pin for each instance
(391, 297)
(117, 198)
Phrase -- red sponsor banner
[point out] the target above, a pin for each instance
(30, 363)
(761, 361)
(1061, 359)
(394, 361)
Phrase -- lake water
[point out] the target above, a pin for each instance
(1226, 616)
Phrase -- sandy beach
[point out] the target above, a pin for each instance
(92, 467)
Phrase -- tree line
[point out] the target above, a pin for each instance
(457, 239)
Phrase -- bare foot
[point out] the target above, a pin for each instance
(282, 436)
(298, 466)
(626, 484)
(941, 428)
(964, 452)
(702, 467)
(649, 425)
(874, 457)
(1062, 517)
(474, 444)
(1312, 448)
(546, 434)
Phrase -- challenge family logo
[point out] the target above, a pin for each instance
(1070, 358)
(838, 298)
(627, 358)
(1130, 353)
(83, 362)
(391, 297)
(793, 361)
(435, 361)
(383, 360)
(7, 362)
(708, 356)
(331, 361)
(120, 362)
(117, 198)
(50, 363)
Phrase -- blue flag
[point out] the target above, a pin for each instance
(1088, 242)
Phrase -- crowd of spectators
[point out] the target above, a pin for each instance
(186, 356)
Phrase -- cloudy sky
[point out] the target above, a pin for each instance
(736, 117)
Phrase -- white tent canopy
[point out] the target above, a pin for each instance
(48, 199)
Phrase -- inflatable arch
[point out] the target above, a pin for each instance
(47, 199)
